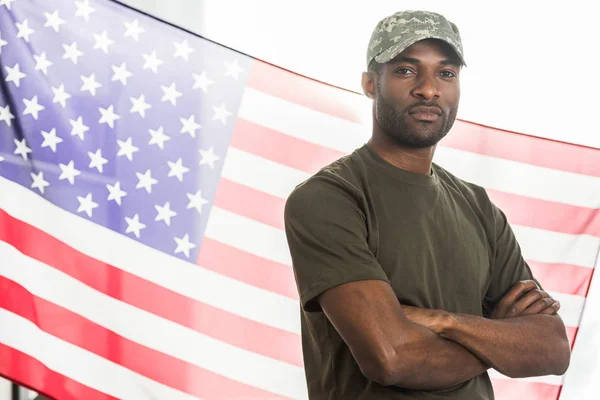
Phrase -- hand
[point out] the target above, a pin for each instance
(436, 320)
(525, 298)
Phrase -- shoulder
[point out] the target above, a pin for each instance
(342, 178)
(474, 194)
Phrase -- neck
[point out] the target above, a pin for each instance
(417, 160)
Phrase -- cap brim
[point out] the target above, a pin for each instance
(392, 52)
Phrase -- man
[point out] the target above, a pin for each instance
(411, 281)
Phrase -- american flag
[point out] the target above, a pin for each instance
(143, 173)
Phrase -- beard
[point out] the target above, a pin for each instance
(405, 131)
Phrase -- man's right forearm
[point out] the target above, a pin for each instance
(427, 361)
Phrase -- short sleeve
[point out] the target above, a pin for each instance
(327, 237)
(509, 267)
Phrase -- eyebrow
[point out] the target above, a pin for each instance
(412, 60)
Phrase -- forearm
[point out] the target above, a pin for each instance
(427, 361)
(523, 346)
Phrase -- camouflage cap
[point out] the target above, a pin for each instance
(393, 34)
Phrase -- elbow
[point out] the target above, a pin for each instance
(382, 370)
(563, 358)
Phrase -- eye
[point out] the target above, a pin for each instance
(403, 71)
(448, 74)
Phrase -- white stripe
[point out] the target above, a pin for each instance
(557, 247)
(155, 266)
(248, 235)
(148, 329)
(81, 365)
(302, 122)
(490, 172)
(520, 178)
(571, 307)
(548, 379)
(259, 173)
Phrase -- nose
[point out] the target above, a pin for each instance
(427, 88)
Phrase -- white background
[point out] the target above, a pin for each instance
(532, 65)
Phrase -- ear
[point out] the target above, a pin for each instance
(369, 84)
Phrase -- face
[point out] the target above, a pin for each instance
(417, 94)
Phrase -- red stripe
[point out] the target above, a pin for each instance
(81, 332)
(572, 334)
(281, 148)
(465, 135)
(232, 329)
(544, 214)
(310, 158)
(248, 268)
(31, 373)
(304, 91)
(564, 278)
(527, 149)
(511, 389)
(257, 205)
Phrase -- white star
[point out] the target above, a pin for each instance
(183, 50)
(96, 160)
(1, 158)
(201, 82)
(51, 140)
(6, 3)
(177, 169)
(189, 125)
(86, 204)
(72, 52)
(134, 225)
(60, 96)
(41, 63)
(115, 193)
(146, 181)
(170, 94)
(39, 182)
(24, 30)
(68, 172)
(133, 29)
(158, 137)
(139, 105)
(79, 128)
(209, 157)
(102, 42)
(221, 113)
(6, 115)
(233, 69)
(32, 107)
(196, 201)
(22, 148)
(90, 84)
(14, 74)
(53, 21)
(152, 62)
(83, 9)
(165, 213)
(121, 73)
(126, 148)
(2, 43)
(108, 116)
(183, 245)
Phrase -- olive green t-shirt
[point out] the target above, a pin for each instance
(438, 240)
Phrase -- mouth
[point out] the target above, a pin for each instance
(427, 114)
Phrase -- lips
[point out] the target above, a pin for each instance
(424, 113)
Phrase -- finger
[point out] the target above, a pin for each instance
(540, 305)
(517, 290)
(552, 310)
(525, 301)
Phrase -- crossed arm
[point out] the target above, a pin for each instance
(432, 349)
